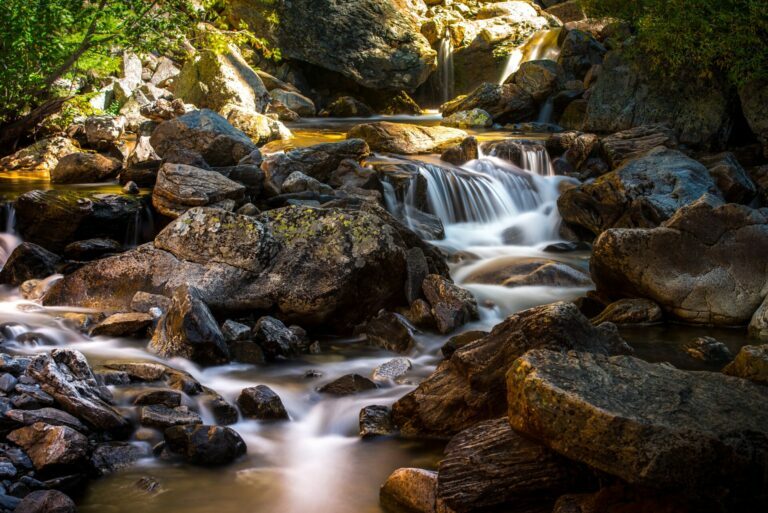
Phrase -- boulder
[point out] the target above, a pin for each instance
(463, 153)
(521, 272)
(85, 168)
(723, 285)
(579, 51)
(730, 177)
(475, 118)
(391, 332)
(538, 78)
(205, 133)
(297, 102)
(123, 325)
(375, 43)
(346, 107)
(65, 375)
(49, 416)
(28, 262)
(392, 371)
(708, 349)
(43, 155)
(104, 129)
(161, 417)
(261, 403)
(376, 421)
(180, 187)
(626, 96)
(350, 174)
(469, 387)
(491, 466)
(259, 127)
(409, 490)
(507, 103)
(348, 384)
(110, 457)
(751, 363)
(158, 396)
(51, 447)
(406, 139)
(699, 433)
(54, 218)
(629, 312)
(640, 194)
(452, 306)
(633, 143)
(189, 330)
(213, 80)
(205, 445)
(275, 338)
(91, 249)
(299, 182)
(46, 501)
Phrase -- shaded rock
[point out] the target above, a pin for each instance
(113, 456)
(708, 349)
(458, 341)
(469, 387)
(28, 262)
(104, 129)
(299, 182)
(376, 421)
(389, 331)
(633, 143)
(234, 331)
(630, 311)
(351, 174)
(751, 363)
(420, 314)
(722, 285)
(507, 103)
(519, 272)
(579, 51)
(641, 194)
(50, 416)
(161, 417)
(649, 424)
(65, 375)
(164, 397)
(203, 132)
(346, 107)
(91, 249)
(417, 270)
(391, 371)
(54, 218)
(84, 168)
(463, 153)
(180, 187)
(51, 447)
(46, 501)
(247, 351)
(189, 330)
(261, 403)
(730, 177)
(224, 413)
(123, 325)
(489, 466)
(349, 384)
(213, 80)
(452, 306)
(205, 445)
(275, 338)
(143, 302)
(406, 139)
(538, 78)
(409, 490)
(297, 102)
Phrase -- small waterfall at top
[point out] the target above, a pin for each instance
(142, 228)
(445, 70)
(545, 113)
(541, 45)
(8, 239)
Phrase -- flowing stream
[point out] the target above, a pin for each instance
(317, 462)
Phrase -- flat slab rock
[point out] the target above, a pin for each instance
(649, 424)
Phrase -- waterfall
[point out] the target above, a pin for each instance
(142, 228)
(529, 156)
(9, 240)
(545, 113)
(541, 45)
(445, 70)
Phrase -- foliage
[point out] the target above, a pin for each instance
(44, 40)
(76, 107)
(699, 37)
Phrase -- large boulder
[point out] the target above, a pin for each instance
(180, 187)
(28, 262)
(649, 424)
(626, 96)
(724, 284)
(508, 103)
(54, 218)
(640, 194)
(469, 387)
(376, 43)
(406, 139)
(205, 133)
(212, 80)
(634, 142)
(42, 156)
(51, 447)
(84, 168)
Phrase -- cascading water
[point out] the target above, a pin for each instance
(541, 45)
(445, 68)
(8, 240)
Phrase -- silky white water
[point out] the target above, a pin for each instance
(541, 45)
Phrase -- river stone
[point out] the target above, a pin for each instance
(409, 490)
(91, 249)
(50, 447)
(65, 375)
(507, 103)
(469, 387)
(123, 325)
(723, 285)
(406, 139)
(538, 78)
(85, 168)
(46, 501)
(275, 338)
(348, 384)
(110, 457)
(50, 416)
(376, 420)
(205, 445)
(54, 218)
(708, 349)
(751, 363)
(521, 272)
(224, 412)
(160, 416)
(234, 331)
(180, 187)
(205, 235)
(213, 80)
(376, 43)
(461, 340)
(391, 371)
(104, 129)
(630, 311)
(631, 144)
(452, 306)
(297, 102)
(203, 132)
(346, 107)
(640, 194)
(649, 424)
(261, 403)
(489, 466)
(475, 118)
(189, 330)
(28, 262)
(390, 331)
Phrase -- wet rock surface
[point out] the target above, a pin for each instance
(205, 445)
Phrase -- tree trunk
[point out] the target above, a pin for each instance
(11, 133)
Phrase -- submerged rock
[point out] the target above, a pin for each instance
(469, 387)
(708, 349)
(406, 139)
(701, 433)
(205, 445)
